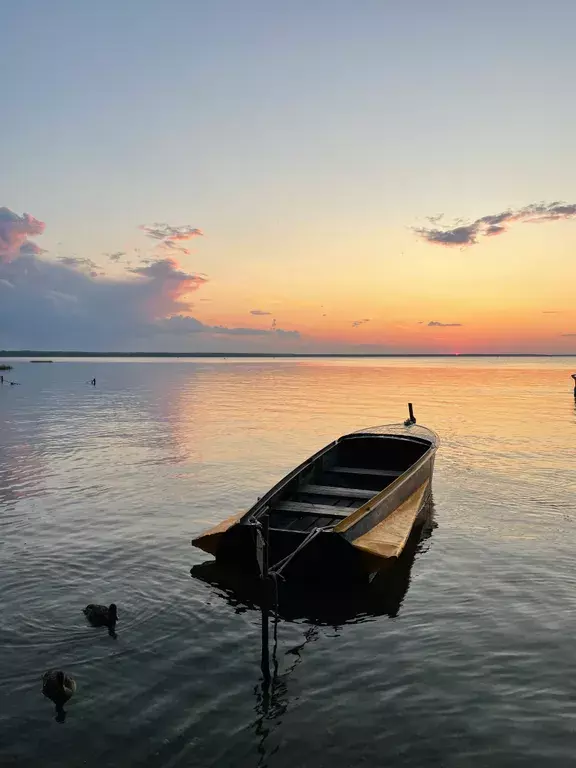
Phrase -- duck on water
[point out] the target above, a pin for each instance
(59, 688)
(102, 616)
(344, 513)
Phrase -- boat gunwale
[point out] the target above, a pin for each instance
(262, 502)
(249, 516)
(360, 512)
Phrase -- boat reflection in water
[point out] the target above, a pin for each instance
(318, 607)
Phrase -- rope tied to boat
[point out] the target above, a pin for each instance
(277, 569)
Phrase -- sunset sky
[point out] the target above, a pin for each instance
(318, 175)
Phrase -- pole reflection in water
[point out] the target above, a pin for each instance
(272, 693)
(319, 608)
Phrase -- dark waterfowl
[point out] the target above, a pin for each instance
(101, 615)
(59, 688)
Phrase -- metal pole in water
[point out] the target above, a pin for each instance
(265, 662)
(574, 379)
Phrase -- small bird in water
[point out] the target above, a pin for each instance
(59, 688)
(102, 615)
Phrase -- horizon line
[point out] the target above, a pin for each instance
(84, 353)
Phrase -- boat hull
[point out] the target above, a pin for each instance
(364, 532)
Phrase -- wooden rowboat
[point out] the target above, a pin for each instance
(345, 512)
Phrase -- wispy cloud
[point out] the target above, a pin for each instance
(436, 324)
(259, 312)
(356, 323)
(552, 311)
(568, 334)
(116, 256)
(170, 245)
(168, 233)
(78, 262)
(169, 238)
(14, 233)
(462, 235)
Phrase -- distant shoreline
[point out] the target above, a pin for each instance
(266, 355)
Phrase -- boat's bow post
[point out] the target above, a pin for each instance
(411, 418)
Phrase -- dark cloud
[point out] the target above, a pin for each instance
(179, 325)
(568, 334)
(78, 262)
(116, 256)
(356, 323)
(494, 224)
(14, 233)
(436, 324)
(167, 269)
(259, 312)
(184, 324)
(242, 331)
(281, 333)
(552, 311)
(62, 304)
(30, 249)
(53, 304)
(494, 229)
(457, 236)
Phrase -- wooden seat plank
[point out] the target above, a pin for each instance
(301, 508)
(333, 490)
(365, 471)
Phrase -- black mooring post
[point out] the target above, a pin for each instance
(574, 379)
(411, 412)
(265, 662)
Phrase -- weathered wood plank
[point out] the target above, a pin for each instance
(301, 508)
(333, 490)
(363, 471)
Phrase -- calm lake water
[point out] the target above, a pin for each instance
(471, 663)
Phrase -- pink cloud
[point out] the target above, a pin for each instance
(172, 285)
(14, 233)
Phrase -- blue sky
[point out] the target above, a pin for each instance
(303, 138)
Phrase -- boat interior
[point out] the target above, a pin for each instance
(332, 485)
